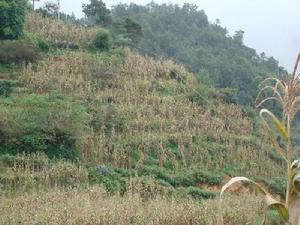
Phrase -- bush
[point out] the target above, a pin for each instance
(43, 45)
(38, 42)
(277, 185)
(112, 181)
(42, 123)
(201, 95)
(184, 178)
(158, 173)
(102, 40)
(226, 95)
(207, 178)
(12, 18)
(198, 193)
(5, 88)
(18, 52)
(55, 143)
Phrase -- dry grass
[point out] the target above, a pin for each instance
(52, 30)
(25, 173)
(94, 206)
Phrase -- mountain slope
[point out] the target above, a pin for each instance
(185, 35)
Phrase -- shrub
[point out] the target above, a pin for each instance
(112, 181)
(5, 88)
(102, 40)
(43, 45)
(184, 178)
(226, 95)
(42, 123)
(18, 52)
(12, 18)
(158, 173)
(38, 42)
(207, 177)
(201, 95)
(198, 193)
(53, 142)
(277, 185)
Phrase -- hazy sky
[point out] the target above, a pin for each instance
(271, 26)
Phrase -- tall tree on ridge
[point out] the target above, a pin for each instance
(97, 13)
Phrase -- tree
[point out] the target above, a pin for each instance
(184, 34)
(50, 9)
(102, 40)
(32, 3)
(12, 18)
(97, 13)
(239, 37)
(134, 31)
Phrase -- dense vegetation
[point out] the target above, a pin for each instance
(80, 107)
(185, 35)
(12, 17)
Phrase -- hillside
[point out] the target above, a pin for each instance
(184, 34)
(79, 119)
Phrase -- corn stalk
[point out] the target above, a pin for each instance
(286, 93)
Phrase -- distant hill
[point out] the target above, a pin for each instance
(185, 35)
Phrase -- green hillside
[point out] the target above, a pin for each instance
(80, 124)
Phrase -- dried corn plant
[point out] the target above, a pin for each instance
(35, 172)
(135, 102)
(53, 30)
(286, 93)
(95, 206)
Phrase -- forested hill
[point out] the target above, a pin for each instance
(185, 35)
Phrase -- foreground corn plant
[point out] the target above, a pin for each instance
(286, 93)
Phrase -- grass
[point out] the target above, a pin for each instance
(95, 206)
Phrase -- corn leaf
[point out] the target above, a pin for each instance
(280, 128)
(280, 208)
(268, 200)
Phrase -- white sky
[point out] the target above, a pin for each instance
(271, 26)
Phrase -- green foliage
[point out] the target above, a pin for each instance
(202, 95)
(39, 43)
(198, 193)
(185, 35)
(18, 52)
(42, 123)
(97, 13)
(184, 178)
(43, 45)
(102, 40)
(112, 180)
(206, 177)
(229, 170)
(134, 31)
(108, 121)
(226, 95)
(5, 88)
(12, 18)
(158, 173)
(277, 185)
